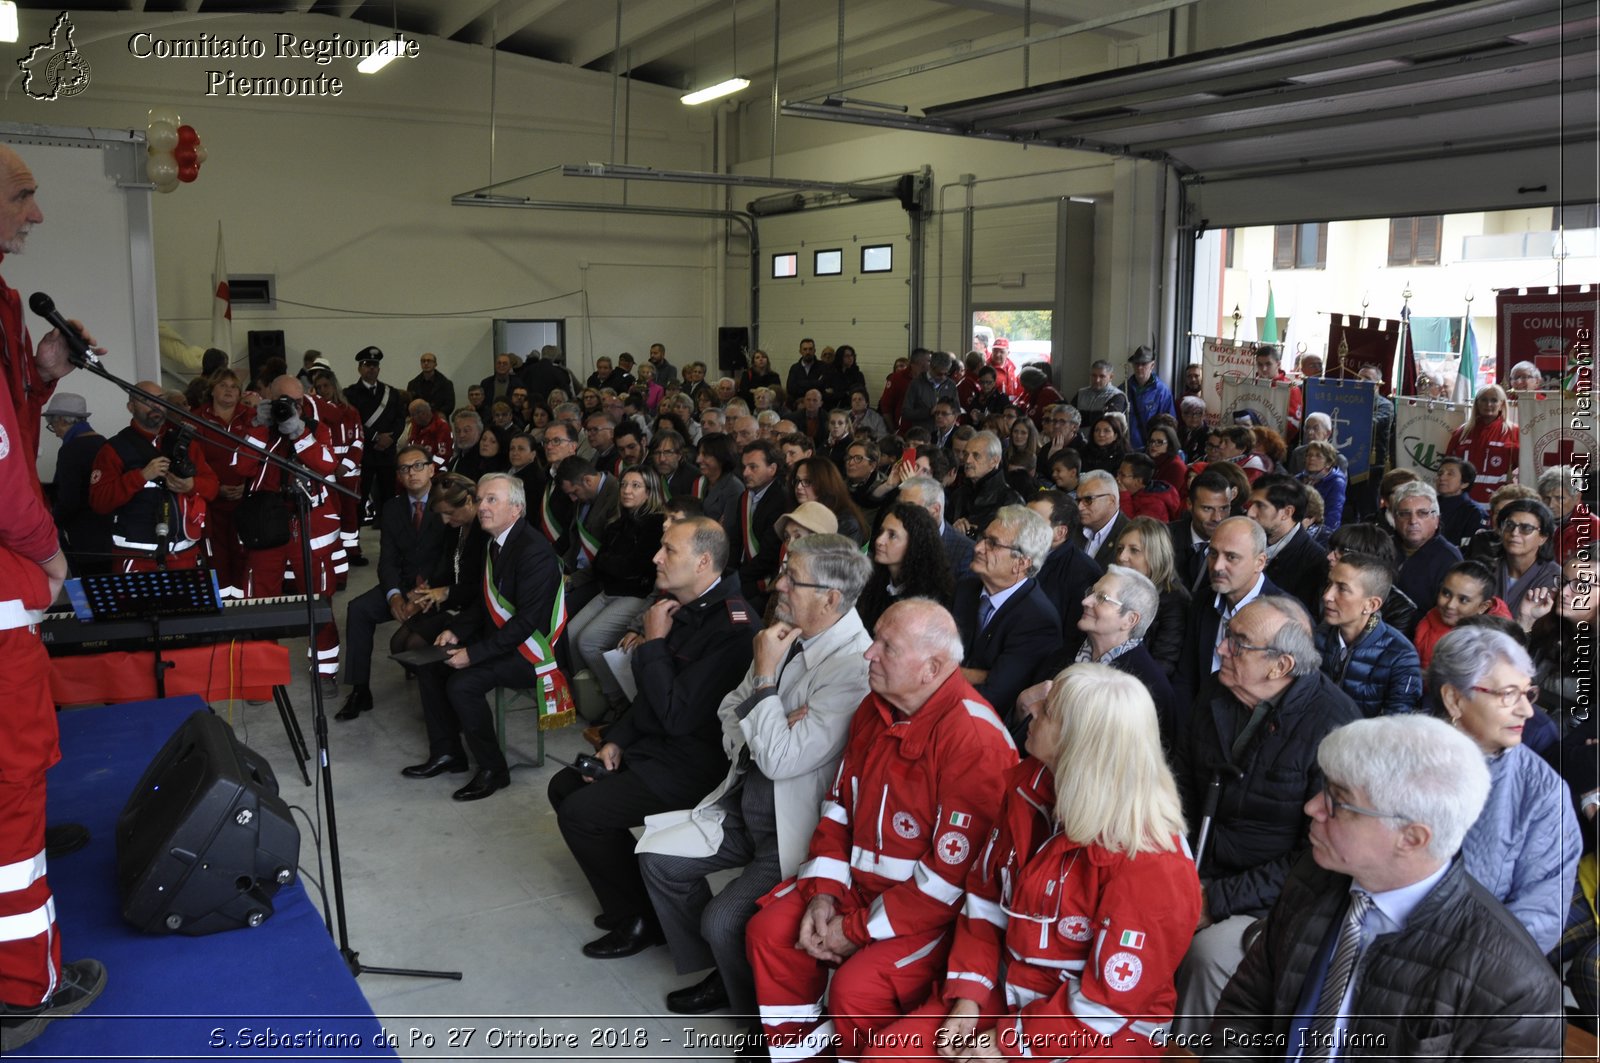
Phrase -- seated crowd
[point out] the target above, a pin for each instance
(1029, 727)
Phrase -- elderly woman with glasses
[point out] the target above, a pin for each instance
(1083, 902)
(1117, 614)
(1527, 573)
(1524, 846)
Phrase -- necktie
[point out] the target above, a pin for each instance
(494, 551)
(1200, 572)
(416, 514)
(1340, 967)
(985, 611)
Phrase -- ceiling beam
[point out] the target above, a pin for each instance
(456, 16)
(642, 19)
(518, 17)
(1040, 15)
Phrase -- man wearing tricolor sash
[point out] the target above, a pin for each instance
(504, 639)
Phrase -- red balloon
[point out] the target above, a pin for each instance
(187, 136)
(185, 154)
(188, 173)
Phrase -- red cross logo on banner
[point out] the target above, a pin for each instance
(1563, 453)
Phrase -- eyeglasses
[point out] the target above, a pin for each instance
(1238, 646)
(416, 466)
(1106, 599)
(558, 443)
(995, 544)
(798, 482)
(1509, 696)
(848, 458)
(1089, 500)
(1416, 514)
(1516, 527)
(667, 452)
(1334, 805)
(784, 573)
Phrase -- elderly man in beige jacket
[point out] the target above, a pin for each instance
(784, 728)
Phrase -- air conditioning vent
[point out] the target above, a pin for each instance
(253, 289)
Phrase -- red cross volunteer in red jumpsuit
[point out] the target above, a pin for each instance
(34, 986)
(915, 794)
(349, 443)
(1069, 949)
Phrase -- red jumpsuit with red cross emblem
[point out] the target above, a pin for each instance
(1073, 947)
(911, 805)
(30, 945)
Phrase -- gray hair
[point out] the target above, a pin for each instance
(1417, 767)
(1102, 365)
(1294, 639)
(1067, 410)
(1097, 476)
(1525, 367)
(709, 538)
(1192, 402)
(836, 562)
(768, 418)
(1467, 654)
(1319, 418)
(1032, 532)
(466, 413)
(1138, 594)
(566, 409)
(516, 493)
(1415, 489)
(928, 490)
(941, 361)
(935, 631)
(990, 443)
(1558, 478)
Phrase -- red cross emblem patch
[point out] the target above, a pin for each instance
(905, 825)
(1075, 928)
(952, 847)
(1122, 971)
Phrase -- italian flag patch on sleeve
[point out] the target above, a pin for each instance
(1132, 939)
(960, 819)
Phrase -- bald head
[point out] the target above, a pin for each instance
(287, 387)
(19, 209)
(914, 650)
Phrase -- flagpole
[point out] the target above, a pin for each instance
(1400, 347)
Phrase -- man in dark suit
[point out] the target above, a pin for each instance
(497, 386)
(1068, 572)
(505, 638)
(809, 372)
(754, 531)
(1100, 516)
(926, 492)
(988, 490)
(1210, 503)
(1236, 562)
(696, 648)
(413, 537)
(433, 386)
(1294, 561)
(596, 501)
(1007, 622)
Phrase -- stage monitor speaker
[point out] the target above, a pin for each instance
(204, 842)
(265, 344)
(733, 349)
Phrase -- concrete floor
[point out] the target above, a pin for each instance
(486, 888)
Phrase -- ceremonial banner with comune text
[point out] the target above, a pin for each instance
(1422, 427)
(1540, 325)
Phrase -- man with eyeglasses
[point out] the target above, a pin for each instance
(601, 432)
(1060, 427)
(413, 538)
(466, 429)
(556, 508)
(784, 727)
(1100, 518)
(1427, 555)
(666, 457)
(1245, 766)
(1007, 622)
(1347, 961)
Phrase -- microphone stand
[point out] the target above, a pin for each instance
(305, 482)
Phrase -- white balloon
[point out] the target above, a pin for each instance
(167, 186)
(200, 154)
(161, 137)
(162, 168)
(165, 114)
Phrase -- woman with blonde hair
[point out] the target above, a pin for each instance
(1145, 546)
(1082, 905)
(1489, 441)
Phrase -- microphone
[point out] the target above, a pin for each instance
(45, 307)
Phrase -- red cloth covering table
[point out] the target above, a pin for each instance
(217, 673)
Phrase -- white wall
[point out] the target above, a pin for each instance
(347, 200)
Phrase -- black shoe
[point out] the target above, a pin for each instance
(64, 838)
(635, 935)
(359, 701)
(81, 982)
(358, 561)
(482, 785)
(607, 922)
(708, 994)
(435, 766)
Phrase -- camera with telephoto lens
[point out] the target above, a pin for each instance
(283, 409)
(175, 448)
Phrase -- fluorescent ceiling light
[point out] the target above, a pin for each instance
(386, 53)
(8, 21)
(716, 92)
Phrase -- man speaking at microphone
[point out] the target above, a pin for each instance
(34, 986)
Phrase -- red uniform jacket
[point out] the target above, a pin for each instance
(1076, 944)
(27, 534)
(1494, 449)
(435, 437)
(911, 804)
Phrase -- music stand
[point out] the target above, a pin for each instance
(147, 597)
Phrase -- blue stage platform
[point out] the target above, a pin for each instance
(278, 991)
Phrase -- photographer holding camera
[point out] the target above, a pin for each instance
(154, 483)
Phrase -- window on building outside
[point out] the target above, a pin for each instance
(1415, 241)
(1581, 216)
(1303, 246)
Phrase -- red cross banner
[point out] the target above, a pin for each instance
(1557, 428)
(1221, 359)
(1266, 400)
